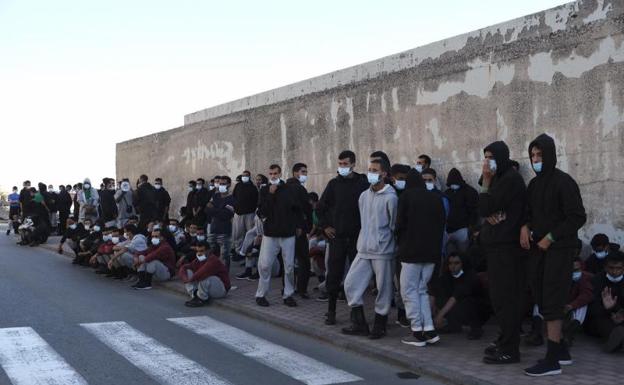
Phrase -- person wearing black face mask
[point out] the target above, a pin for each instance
(554, 216)
(606, 312)
(502, 203)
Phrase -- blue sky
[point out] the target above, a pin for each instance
(76, 77)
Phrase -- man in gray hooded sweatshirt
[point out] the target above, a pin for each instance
(376, 250)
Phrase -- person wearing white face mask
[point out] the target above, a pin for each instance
(376, 250)
(89, 199)
(245, 203)
(302, 251)
(157, 262)
(74, 232)
(554, 214)
(124, 198)
(205, 278)
(201, 197)
(463, 212)
(606, 312)
(220, 211)
(163, 200)
(339, 217)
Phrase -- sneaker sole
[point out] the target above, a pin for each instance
(143, 288)
(243, 278)
(401, 325)
(550, 373)
(565, 362)
(434, 340)
(419, 344)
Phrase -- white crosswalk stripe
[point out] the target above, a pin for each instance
(157, 361)
(27, 359)
(284, 360)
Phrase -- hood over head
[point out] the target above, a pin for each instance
(549, 152)
(455, 177)
(501, 154)
(414, 180)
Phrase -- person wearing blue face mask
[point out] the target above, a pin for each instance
(601, 246)
(555, 213)
(502, 203)
(606, 312)
(339, 217)
(463, 214)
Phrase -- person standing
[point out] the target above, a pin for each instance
(108, 207)
(24, 199)
(376, 250)
(280, 210)
(302, 251)
(555, 214)
(88, 199)
(145, 202)
(463, 212)
(163, 201)
(52, 203)
(245, 203)
(64, 203)
(421, 221)
(220, 211)
(124, 198)
(502, 203)
(339, 217)
(14, 208)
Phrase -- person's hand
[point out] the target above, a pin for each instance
(110, 264)
(487, 173)
(493, 220)
(330, 232)
(272, 188)
(135, 261)
(544, 244)
(525, 237)
(229, 207)
(567, 309)
(299, 232)
(439, 322)
(210, 205)
(60, 249)
(618, 317)
(180, 262)
(93, 260)
(608, 301)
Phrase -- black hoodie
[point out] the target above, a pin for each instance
(301, 193)
(421, 220)
(506, 196)
(338, 206)
(555, 205)
(464, 203)
(246, 198)
(280, 211)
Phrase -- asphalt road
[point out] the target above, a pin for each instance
(62, 324)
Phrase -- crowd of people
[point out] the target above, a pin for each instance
(446, 259)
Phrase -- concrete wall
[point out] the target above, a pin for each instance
(559, 71)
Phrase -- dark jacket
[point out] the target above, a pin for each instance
(463, 287)
(464, 203)
(163, 200)
(554, 201)
(246, 198)
(219, 216)
(64, 201)
(581, 292)
(163, 253)
(596, 308)
(596, 265)
(420, 222)
(75, 235)
(108, 205)
(506, 195)
(146, 201)
(280, 211)
(338, 205)
(211, 266)
(305, 221)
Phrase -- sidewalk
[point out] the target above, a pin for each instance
(455, 359)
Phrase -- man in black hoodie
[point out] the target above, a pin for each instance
(245, 204)
(502, 203)
(464, 212)
(108, 205)
(163, 201)
(302, 251)
(280, 210)
(339, 217)
(554, 216)
(146, 202)
(64, 206)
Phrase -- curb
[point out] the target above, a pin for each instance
(380, 353)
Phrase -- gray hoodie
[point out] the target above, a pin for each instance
(378, 212)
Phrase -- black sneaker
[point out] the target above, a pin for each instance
(402, 320)
(415, 339)
(8, 231)
(244, 275)
(196, 302)
(142, 286)
(262, 301)
(290, 302)
(330, 318)
(543, 368)
(615, 340)
(501, 358)
(431, 337)
(323, 297)
(254, 277)
(303, 295)
(342, 297)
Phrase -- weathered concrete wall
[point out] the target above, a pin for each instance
(559, 71)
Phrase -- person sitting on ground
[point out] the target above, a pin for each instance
(111, 236)
(460, 299)
(34, 231)
(157, 262)
(601, 246)
(177, 232)
(205, 278)
(581, 295)
(606, 312)
(74, 232)
(89, 245)
(122, 261)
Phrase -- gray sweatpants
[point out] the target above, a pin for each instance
(211, 287)
(359, 275)
(241, 224)
(269, 249)
(457, 241)
(414, 280)
(159, 271)
(103, 258)
(126, 259)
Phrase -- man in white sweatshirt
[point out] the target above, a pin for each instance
(376, 248)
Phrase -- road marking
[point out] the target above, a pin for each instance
(284, 360)
(157, 361)
(28, 360)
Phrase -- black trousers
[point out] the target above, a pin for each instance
(506, 275)
(600, 326)
(340, 251)
(550, 279)
(302, 253)
(63, 215)
(469, 312)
